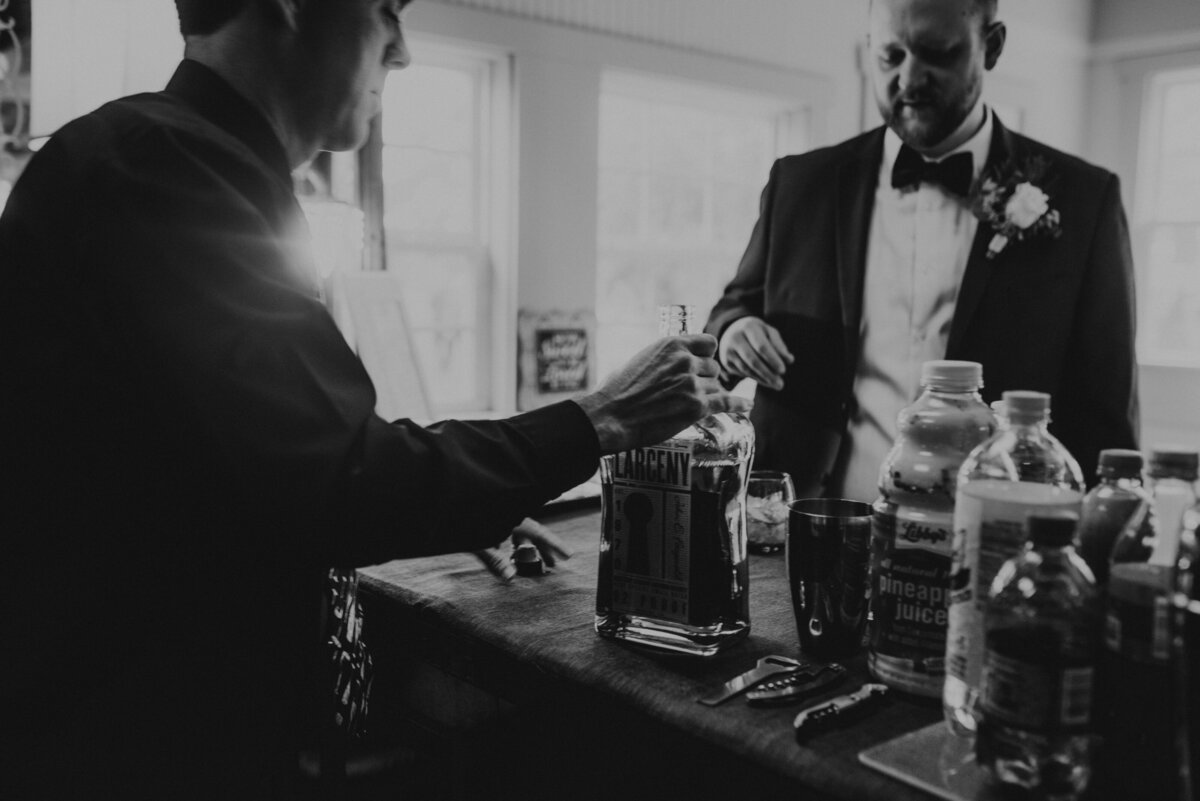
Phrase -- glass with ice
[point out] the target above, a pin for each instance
(767, 497)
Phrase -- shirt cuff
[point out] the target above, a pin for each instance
(565, 442)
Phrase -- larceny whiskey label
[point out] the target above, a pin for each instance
(910, 597)
(652, 532)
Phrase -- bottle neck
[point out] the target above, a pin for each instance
(955, 390)
(677, 319)
(1023, 425)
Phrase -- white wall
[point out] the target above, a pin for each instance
(1129, 19)
(558, 67)
(87, 52)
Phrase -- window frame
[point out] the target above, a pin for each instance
(495, 212)
(790, 122)
(1119, 77)
(1145, 217)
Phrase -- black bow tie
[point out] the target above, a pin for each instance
(953, 172)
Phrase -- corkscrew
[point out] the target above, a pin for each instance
(797, 684)
(766, 668)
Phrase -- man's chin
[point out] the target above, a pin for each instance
(917, 134)
(350, 137)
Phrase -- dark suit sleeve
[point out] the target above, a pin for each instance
(744, 295)
(1102, 363)
(216, 318)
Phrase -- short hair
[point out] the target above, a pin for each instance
(199, 17)
(987, 10)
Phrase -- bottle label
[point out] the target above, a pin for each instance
(1029, 694)
(989, 529)
(909, 596)
(1137, 624)
(652, 531)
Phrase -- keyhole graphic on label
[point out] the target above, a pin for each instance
(638, 511)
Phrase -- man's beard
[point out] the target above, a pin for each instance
(923, 121)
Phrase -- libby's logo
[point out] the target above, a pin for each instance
(915, 533)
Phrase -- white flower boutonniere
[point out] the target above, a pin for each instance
(1007, 197)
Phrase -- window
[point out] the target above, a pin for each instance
(442, 162)
(1167, 220)
(682, 167)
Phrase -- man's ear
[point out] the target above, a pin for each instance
(993, 43)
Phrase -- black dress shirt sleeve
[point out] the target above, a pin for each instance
(183, 259)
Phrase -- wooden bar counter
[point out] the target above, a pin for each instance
(527, 701)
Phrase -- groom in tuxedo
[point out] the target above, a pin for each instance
(876, 254)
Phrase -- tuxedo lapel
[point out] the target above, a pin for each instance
(854, 194)
(979, 266)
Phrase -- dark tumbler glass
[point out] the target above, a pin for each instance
(827, 549)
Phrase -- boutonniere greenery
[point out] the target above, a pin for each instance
(1008, 197)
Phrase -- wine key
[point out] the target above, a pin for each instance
(798, 684)
(767, 667)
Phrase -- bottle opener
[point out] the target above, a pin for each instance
(798, 684)
(767, 667)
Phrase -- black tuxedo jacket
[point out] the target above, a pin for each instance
(1053, 315)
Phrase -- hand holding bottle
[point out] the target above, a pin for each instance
(669, 385)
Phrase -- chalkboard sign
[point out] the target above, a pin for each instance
(555, 356)
(562, 363)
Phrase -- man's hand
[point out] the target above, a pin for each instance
(671, 384)
(752, 348)
(499, 563)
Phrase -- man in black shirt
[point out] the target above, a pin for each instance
(191, 443)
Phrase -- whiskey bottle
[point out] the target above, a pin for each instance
(673, 566)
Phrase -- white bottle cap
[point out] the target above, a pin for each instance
(1172, 460)
(952, 376)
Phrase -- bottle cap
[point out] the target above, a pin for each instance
(952, 376)
(1023, 406)
(1119, 463)
(528, 560)
(1171, 461)
(1053, 530)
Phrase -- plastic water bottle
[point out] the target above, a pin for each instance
(1041, 626)
(1172, 483)
(1019, 471)
(1109, 506)
(1185, 654)
(1144, 651)
(912, 526)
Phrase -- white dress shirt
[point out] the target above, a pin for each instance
(916, 253)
